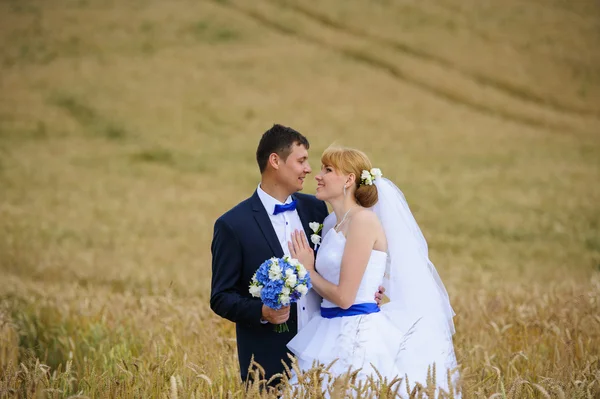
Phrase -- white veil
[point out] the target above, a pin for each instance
(410, 279)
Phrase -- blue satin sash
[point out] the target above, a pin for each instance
(354, 310)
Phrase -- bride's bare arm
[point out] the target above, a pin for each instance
(360, 239)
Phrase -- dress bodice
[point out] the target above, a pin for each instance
(329, 262)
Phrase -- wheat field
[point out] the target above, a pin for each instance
(127, 127)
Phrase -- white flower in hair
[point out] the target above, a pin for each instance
(365, 178)
(376, 173)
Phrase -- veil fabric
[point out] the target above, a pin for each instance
(411, 278)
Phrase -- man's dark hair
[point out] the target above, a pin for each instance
(279, 139)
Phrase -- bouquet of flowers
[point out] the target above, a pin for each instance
(279, 282)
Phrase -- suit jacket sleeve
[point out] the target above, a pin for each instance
(226, 298)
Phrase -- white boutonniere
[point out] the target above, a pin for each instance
(315, 237)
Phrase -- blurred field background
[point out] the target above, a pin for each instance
(127, 127)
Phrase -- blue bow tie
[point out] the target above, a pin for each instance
(284, 208)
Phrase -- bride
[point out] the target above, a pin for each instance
(376, 239)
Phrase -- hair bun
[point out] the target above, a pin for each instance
(366, 196)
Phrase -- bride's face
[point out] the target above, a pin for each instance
(330, 183)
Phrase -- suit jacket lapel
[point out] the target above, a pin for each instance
(302, 213)
(262, 218)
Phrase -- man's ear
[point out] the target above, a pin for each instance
(274, 160)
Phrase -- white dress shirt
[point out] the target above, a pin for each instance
(284, 224)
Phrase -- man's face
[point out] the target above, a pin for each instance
(293, 171)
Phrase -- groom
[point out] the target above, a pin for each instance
(255, 230)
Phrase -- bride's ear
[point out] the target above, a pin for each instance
(351, 179)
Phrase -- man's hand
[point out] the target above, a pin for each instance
(379, 295)
(275, 316)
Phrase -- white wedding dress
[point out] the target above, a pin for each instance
(395, 341)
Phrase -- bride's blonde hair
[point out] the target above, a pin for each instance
(350, 160)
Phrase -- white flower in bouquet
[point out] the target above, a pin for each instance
(255, 287)
(301, 271)
(276, 283)
(290, 278)
(302, 289)
(275, 272)
(291, 261)
(255, 290)
(284, 297)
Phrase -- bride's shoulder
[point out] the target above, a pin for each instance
(365, 218)
(365, 224)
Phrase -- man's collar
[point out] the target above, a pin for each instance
(268, 201)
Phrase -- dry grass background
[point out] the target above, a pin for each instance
(127, 127)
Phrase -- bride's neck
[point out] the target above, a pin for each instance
(341, 206)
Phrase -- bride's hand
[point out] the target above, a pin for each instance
(299, 249)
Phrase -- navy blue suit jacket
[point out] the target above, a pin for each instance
(243, 239)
